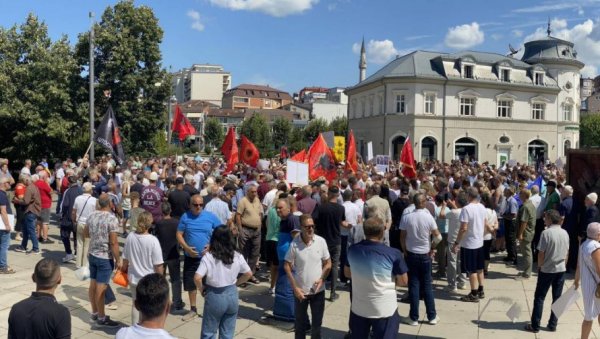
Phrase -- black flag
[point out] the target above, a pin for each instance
(108, 135)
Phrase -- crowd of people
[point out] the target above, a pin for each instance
(367, 231)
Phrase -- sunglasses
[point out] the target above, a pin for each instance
(197, 205)
(309, 226)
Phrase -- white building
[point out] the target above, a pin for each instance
(479, 105)
(201, 82)
(328, 110)
(337, 94)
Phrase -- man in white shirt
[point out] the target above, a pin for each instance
(219, 207)
(470, 242)
(353, 218)
(83, 206)
(153, 303)
(27, 168)
(309, 258)
(456, 279)
(270, 196)
(416, 229)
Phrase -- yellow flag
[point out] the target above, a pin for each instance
(340, 148)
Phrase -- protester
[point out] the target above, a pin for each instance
(224, 269)
(67, 223)
(455, 278)
(5, 211)
(553, 250)
(83, 207)
(40, 315)
(588, 275)
(526, 220)
(510, 228)
(307, 264)
(248, 220)
(32, 203)
(354, 217)
(179, 199)
(151, 197)
(272, 260)
(43, 220)
(142, 255)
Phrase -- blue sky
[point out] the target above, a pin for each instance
(295, 43)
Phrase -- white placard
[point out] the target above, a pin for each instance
(263, 165)
(382, 163)
(369, 151)
(559, 163)
(11, 221)
(297, 172)
(512, 163)
(566, 300)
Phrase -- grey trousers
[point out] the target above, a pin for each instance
(453, 274)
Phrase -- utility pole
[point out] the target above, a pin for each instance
(91, 15)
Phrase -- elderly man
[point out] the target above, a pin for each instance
(32, 203)
(83, 207)
(509, 216)
(6, 226)
(570, 213)
(46, 203)
(248, 220)
(591, 214)
(67, 225)
(376, 206)
(306, 204)
(378, 269)
(152, 197)
(218, 207)
(551, 262)
(416, 230)
(526, 220)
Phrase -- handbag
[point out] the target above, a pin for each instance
(120, 279)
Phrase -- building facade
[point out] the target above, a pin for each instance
(201, 82)
(247, 96)
(472, 105)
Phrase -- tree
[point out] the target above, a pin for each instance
(589, 131)
(297, 142)
(38, 110)
(128, 64)
(281, 132)
(339, 126)
(314, 127)
(256, 128)
(213, 132)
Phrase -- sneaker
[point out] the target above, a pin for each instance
(112, 306)
(93, 317)
(107, 322)
(450, 289)
(254, 281)
(68, 257)
(480, 294)
(334, 297)
(434, 321)
(178, 309)
(271, 291)
(461, 286)
(21, 249)
(34, 252)
(40, 239)
(408, 321)
(18, 237)
(470, 298)
(7, 270)
(47, 241)
(522, 277)
(189, 316)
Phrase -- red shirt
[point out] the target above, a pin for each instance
(64, 184)
(45, 193)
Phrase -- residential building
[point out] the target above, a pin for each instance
(201, 82)
(308, 95)
(328, 110)
(336, 94)
(303, 110)
(195, 111)
(246, 96)
(472, 105)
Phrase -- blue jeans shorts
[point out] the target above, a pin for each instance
(100, 269)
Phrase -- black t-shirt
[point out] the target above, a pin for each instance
(398, 208)
(292, 223)
(137, 187)
(38, 317)
(4, 202)
(180, 202)
(190, 189)
(328, 218)
(166, 233)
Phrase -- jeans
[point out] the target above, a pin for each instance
(453, 273)
(527, 257)
(334, 252)
(174, 267)
(419, 277)
(220, 312)
(60, 197)
(343, 258)
(249, 241)
(317, 308)
(545, 280)
(4, 242)
(29, 231)
(510, 230)
(384, 328)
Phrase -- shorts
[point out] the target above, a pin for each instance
(44, 217)
(126, 214)
(272, 258)
(500, 230)
(190, 266)
(471, 260)
(100, 269)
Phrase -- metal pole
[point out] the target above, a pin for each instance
(92, 86)
(169, 128)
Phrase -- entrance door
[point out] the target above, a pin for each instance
(503, 156)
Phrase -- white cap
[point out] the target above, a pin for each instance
(593, 197)
(153, 176)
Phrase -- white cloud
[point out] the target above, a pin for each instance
(464, 36)
(417, 37)
(517, 33)
(276, 8)
(546, 8)
(585, 36)
(196, 23)
(497, 36)
(378, 51)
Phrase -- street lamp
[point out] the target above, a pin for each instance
(172, 100)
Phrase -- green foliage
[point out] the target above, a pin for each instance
(297, 141)
(256, 128)
(314, 127)
(589, 131)
(128, 64)
(213, 133)
(281, 132)
(38, 110)
(339, 126)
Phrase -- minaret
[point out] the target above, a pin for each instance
(549, 30)
(362, 64)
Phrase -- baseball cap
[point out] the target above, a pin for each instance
(153, 176)
(179, 181)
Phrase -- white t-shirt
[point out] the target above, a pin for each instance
(307, 261)
(490, 218)
(219, 275)
(84, 205)
(269, 198)
(143, 252)
(453, 224)
(352, 214)
(418, 226)
(474, 214)
(138, 332)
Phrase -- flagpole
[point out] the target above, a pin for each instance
(91, 148)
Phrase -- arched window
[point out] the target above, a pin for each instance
(465, 149)
(537, 151)
(428, 149)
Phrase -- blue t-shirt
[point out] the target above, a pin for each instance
(374, 267)
(197, 229)
(4, 202)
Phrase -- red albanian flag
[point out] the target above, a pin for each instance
(230, 150)
(249, 153)
(321, 161)
(351, 163)
(300, 156)
(407, 159)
